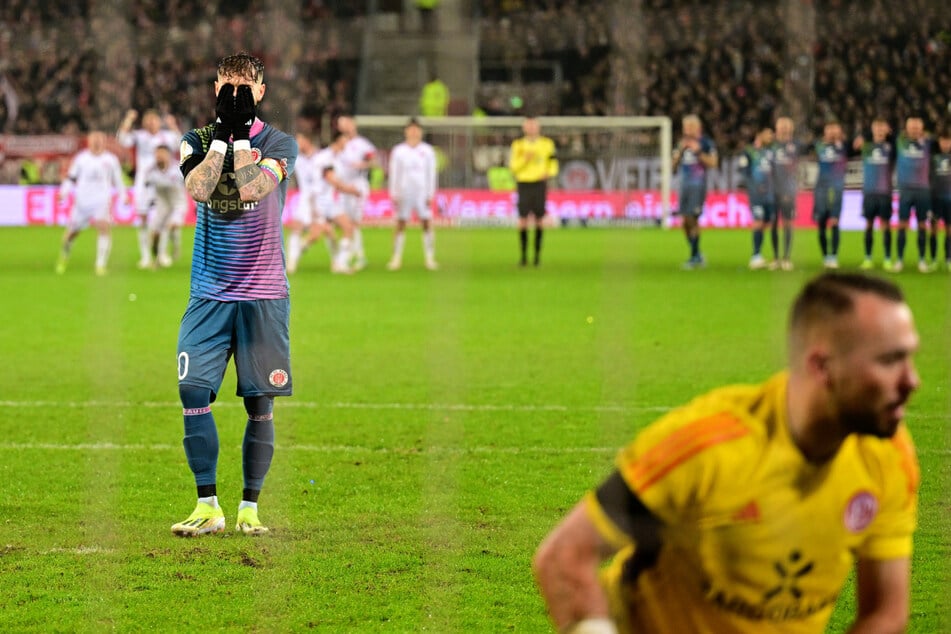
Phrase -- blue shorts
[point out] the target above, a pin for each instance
(255, 332)
(877, 206)
(763, 211)
(786, 206)
(827, 203)
(920, 199)
(691, 202)
(942, 210)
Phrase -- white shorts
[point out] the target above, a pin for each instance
(306, 210)
(353, 205)
(143, 198)
(178, 216)
(86, 212)
(410, 203)
(161, 217)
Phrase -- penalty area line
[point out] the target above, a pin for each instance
(292, 404)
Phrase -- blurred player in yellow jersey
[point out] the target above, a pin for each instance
(533, 161)
(746, 509)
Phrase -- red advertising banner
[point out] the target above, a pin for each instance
(38, 205)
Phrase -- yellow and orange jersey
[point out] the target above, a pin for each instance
(755, 537)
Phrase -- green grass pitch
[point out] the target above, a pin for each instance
(441, 424)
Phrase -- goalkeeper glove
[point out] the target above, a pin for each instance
(224, 109)
(243, 114)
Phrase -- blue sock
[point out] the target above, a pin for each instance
(835, 239)
(201, 436)
(757, 241)
(823, 241)
(900, 244)
(258, 446)
(694, 246)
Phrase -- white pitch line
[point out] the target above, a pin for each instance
(349, 449)
(292, 403)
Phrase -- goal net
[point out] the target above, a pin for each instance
(612, 169)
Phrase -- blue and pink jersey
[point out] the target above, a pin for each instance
(238, 252)
(914, 163)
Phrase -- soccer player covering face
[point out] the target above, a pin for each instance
(236, 169)
(756, 162)
(412, 185)
(533, 161)
(694, 156)
(833, 158)
(878, 163)
(746, 509)
(93, 176)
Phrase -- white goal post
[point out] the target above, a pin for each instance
(622, 156)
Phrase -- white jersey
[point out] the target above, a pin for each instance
(93, 177)
(166, 189)
(144, 144)
(327, 195)
(306, 175)
(357, 151)
(412, 171)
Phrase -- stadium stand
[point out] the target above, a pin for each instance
(68, 66)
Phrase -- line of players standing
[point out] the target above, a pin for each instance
(921, 165)
(333, 183)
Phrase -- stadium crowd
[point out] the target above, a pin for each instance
(737, 63)
(70, 66)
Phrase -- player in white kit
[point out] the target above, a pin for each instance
(330, 192)
(166, 189)
(412, 186)
(353, 168)
(93, 176)
(144, 141)
(307, 213)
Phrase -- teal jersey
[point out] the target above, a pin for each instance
(833, 160)
(913, 163)
(757, 168)
(941, 175)
(786, 166)
(878, 163)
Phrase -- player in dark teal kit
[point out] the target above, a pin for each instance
(941, 196)
(236, 169)
(913, 167)
(695, 154)
(756, 164)
(878, 163)
(833, 158)
(786, 154)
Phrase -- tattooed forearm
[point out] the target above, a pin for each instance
(203, 179)
(253, 184)
(245, 175)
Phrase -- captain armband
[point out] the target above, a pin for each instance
(275, 168)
